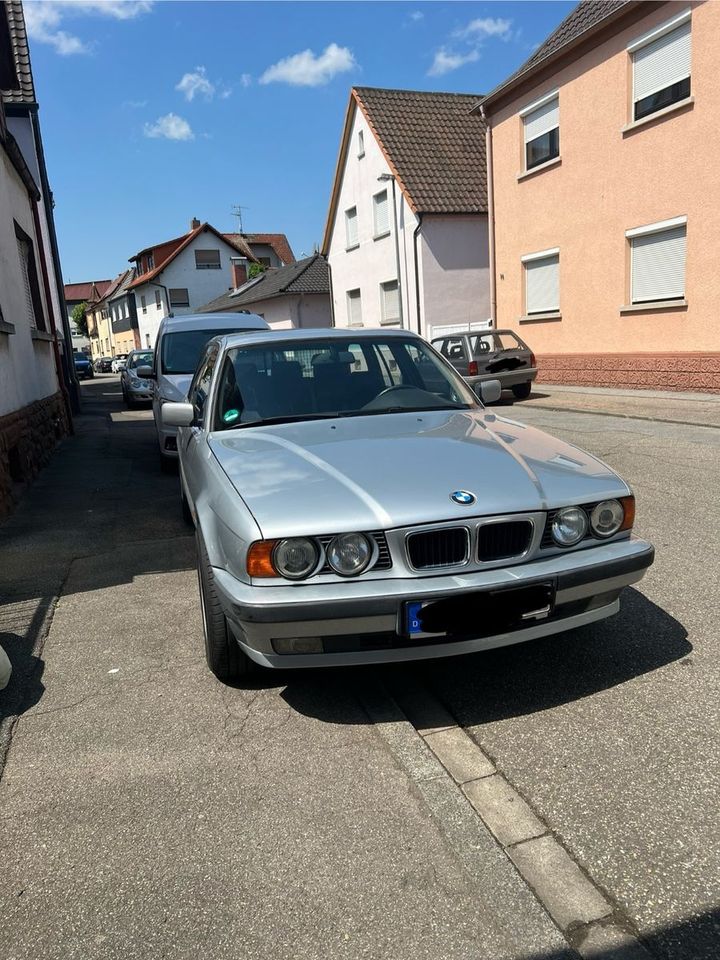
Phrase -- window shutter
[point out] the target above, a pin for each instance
(658, 265)
(662, 62)
(542, 120)
(179, 297)
(24, 254)
(381, 213)
(391, 302)
(354, 308)
(207, 258)
(351, 227)
(542, 279)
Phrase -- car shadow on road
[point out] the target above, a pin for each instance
(520, 679)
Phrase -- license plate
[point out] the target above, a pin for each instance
(479, 614)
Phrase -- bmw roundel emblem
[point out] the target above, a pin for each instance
(463, 497)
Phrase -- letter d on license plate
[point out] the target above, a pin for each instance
(412, 618)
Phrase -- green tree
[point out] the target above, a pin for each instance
(79, 318)
(255, 270)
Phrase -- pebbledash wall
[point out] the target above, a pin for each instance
(613, 176)
(32, 412)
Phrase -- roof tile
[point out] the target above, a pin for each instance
(304, 276)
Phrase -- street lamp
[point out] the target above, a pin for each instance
(383, 178)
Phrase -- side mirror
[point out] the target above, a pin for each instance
(489, 391)
(145, 373)
(177, 414)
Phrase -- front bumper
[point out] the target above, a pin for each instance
(139, 394)
(358, 620)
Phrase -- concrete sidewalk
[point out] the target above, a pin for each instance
(697, 409)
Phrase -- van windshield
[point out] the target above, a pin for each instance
(180, 351)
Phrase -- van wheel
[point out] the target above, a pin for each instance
(222, 651)
(521, 391)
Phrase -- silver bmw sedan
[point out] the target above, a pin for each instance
(355, 502)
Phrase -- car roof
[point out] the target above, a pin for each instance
(312, 334)
(214, 321)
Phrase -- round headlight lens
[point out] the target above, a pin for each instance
(607, 518)
(349, 554)
(569, 526)
(296, 558)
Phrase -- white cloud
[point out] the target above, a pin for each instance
(446, 61)
(485, 27)
(246, 80)
(170, 127)
(196, 84)
(306, 70)
(417, 15)
(44, 19)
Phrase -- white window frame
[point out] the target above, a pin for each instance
(647, 38)
(384, 319)
(530, 109)
(349, 297)
(531, 258)
(661, 226)
(378, 233)
(350, 242)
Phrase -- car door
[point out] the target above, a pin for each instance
(190, 438)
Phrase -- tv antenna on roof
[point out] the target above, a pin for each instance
(236, 211)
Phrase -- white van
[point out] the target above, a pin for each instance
(179, 345)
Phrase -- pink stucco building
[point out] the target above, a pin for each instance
(605, 197)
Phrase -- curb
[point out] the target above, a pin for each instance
(623, 416)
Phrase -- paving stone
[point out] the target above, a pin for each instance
(503, 810)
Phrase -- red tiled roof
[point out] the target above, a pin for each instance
(164, 253)
(278, 241)
(91, 290)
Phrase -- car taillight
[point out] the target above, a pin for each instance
(533, 361)
(473, 368)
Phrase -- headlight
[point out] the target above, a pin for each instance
(569, 526)
(296, 558)
(349, 554)
(607, 518)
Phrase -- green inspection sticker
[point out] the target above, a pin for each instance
(231, 416)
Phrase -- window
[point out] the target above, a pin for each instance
(158, 302)
(361, 144)
(179, 297)
(207, 259)
(657, 261)
(381, 216)
(143, 304)
(200, 387)
(351, 228)
(542, 282)
(26, 254)
(354, 308)
(151, 262)
(389, 302)
(661, 66)
(147, 339)
(541, 130)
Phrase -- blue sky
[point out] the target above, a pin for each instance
(153, 113)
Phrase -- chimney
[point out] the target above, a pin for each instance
(194, 224)
(238, 271)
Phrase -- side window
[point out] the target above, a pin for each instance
(200, 387)
(389, 370)
(453, 348)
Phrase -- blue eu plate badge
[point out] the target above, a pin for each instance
(412, 618)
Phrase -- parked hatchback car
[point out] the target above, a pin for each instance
(491, 355)
(83, 365)
(103, 365)
(179, 345)
(136, 389)
(354, 502)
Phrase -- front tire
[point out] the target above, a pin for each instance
(222, 651)
(521, 391)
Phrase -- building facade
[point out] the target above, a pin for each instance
(606, 197)
(123, 316)
(407, 229)
(76, 294)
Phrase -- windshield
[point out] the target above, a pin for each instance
(140, 360)
(181, 351)
(331, 378)
(83, 358)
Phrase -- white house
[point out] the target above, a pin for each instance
(407, 237)
(297, 295)
(34, 411)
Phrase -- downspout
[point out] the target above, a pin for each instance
(416, 237)
(167, 295)
(491, 218)
(51, 316)
(332, 296)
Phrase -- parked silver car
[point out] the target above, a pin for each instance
(355, 503)
(136, 389)
(491, 355)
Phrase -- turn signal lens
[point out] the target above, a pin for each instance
(628, 504)
(259, 559)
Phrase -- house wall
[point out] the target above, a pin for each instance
(289, 312)
(373, 261)
(455, 274)
(607, 182)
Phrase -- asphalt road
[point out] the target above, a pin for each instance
(148, 811)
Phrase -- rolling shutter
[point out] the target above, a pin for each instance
(381, 215)
(351, 227)
(542, 120)
(658, 265)
(662, 62)
(542, 280)
(354, 304)
(390, 301)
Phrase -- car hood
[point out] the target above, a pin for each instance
(395, 470)
(175, 386)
